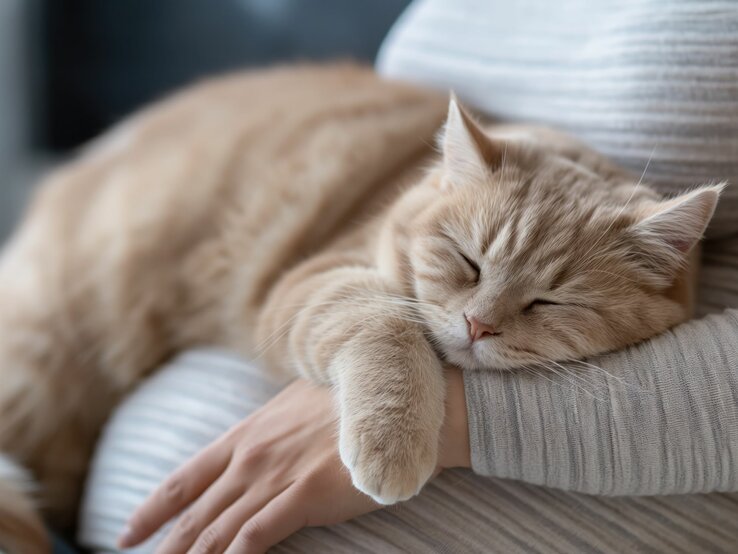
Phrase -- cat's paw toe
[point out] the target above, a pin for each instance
(389, 470)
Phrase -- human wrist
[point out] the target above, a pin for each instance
(454, 442)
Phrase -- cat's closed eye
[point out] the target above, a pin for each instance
(540, 302)
(473, 265)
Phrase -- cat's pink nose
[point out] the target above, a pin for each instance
(479, 330)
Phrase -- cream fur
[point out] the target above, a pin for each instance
(297, 216)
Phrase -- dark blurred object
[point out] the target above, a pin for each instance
(103, 59)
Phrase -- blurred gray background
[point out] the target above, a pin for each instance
(14, 109)
(71, 68)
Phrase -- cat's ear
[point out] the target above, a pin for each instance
(670, 229)
(468, 153)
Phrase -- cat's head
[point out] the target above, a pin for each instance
(527, 257)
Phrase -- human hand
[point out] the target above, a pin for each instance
(269, 476)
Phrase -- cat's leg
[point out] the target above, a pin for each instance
(390, 390)
(355, 332)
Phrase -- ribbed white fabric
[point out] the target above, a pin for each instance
(183, 407)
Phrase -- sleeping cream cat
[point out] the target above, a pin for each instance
(303, 218)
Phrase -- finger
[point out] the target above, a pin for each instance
(284, 515)
(215, 500)
(182, 487)
(222, 531)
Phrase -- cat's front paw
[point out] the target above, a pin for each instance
(388, 465)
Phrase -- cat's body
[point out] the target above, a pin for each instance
(292, 216)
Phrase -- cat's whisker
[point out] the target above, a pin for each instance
(539, 371)
(586, 378)
(570, 372)
(275, 336)
(280, 332)
(372, 302)
(304, 305)
(543, 366)
(405, 299)
(362, 296)
(592, 367)
(576, 387)
(531, 370)
(609, 375)
(567, 375)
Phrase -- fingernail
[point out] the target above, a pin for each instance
(126, 537)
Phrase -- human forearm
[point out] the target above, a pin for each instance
(453, 450)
